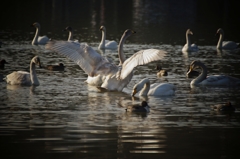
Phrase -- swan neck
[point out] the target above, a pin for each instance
(35, 39)
(202, 76)
(145, 85)
(33, 74)
(70, 36)
(102, 44)
(188, 41)
(219, 44)
(121, 55)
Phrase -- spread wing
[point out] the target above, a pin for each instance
(141, 58)
(83, 55)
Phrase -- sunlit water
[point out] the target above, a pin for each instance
(64, 117)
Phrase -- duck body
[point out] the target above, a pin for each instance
(59, 67)
(39, 40)
(107, 44)
(188, 47)
(226, 45)
(144, 107)
(157, 89)
(23, 77)
(214, 80)
(114, 77)
(161, 72)
(224, 107)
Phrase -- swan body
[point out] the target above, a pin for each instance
(2, 63)
(39, 40)
(214, 80)
(228, 45)
(144, 107)
(59, 67)
(106, 44)
(23, 77)
(188, 47)
(116, 76)
(156, 89)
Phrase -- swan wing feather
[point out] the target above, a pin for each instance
(83, 55)
(140, 58)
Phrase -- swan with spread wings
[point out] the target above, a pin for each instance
(116, 77)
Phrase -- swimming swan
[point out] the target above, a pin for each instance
(39, 40)
(188, 47)
(70, 35)
(115, 77)
(23, 77)
(214, 80)
(156, 89)
(106, 44)
(228, 45)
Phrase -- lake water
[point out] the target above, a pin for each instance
(66, 118)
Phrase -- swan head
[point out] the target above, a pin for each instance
(194, 65)
(36, 25)
(102, 28)
(220, 31)
(129, 32)
(36, 60)
(189, 32)
(138, 87)
(68, 28)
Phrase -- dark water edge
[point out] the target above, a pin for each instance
(182, 143)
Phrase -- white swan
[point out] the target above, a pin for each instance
(70, 35)
(214, 80)
(188, 47)
(116, 77)
(23, 77)
(228, 45)
(39, 40)
(156, 89)
(106, 44)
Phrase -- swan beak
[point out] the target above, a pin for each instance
(101, 28)
(134, 92)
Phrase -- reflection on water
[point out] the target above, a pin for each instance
(65, 116)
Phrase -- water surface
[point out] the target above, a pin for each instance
(66, 118)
